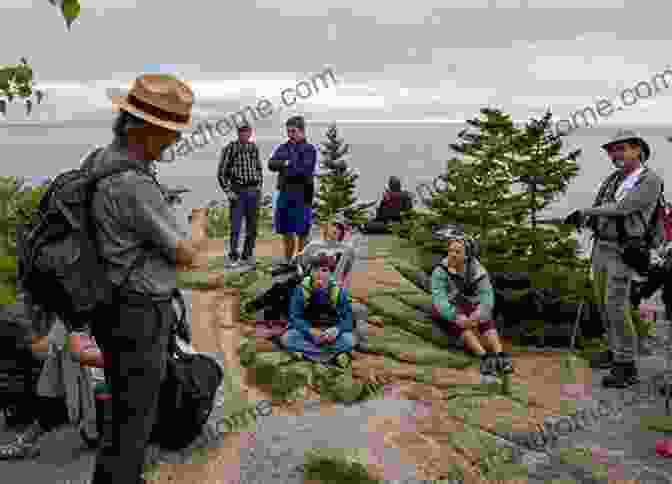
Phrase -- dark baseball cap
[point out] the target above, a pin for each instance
(244, 127)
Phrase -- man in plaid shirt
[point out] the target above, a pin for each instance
(240, 176)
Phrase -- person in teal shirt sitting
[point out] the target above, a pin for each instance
(321, 323)
(463, 300)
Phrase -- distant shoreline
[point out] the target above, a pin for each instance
(92, 123)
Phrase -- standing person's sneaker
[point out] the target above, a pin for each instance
(233, 259)
(504, 363)
(623, 375)
(248, 260)
(603, 360)
(24, 445)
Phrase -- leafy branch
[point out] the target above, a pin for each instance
(18, 81)
(70, 10)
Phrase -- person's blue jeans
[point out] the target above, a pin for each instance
(246, 207)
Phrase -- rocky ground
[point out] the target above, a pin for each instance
(417, 432)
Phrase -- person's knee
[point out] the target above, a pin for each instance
(487, 327)
(348, 340)
(360, 311)
(290, 336)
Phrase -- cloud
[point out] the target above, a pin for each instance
(576, 4)
(414, 13)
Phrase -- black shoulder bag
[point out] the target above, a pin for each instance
(636, 250)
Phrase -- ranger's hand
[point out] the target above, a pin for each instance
(575, 218)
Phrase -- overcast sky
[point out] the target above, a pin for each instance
(414, 61)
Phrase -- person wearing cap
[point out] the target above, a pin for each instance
(625, 203)
(321, 323)
(463, 300)
(137, 229)
(332, 244)
(294, 161)
(240, 175)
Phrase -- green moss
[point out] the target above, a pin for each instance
(656, 423)
(409, 272)
(416, 301)
(338, 466)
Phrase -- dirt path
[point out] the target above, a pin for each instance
(428, 445)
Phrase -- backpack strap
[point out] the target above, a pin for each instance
(648, 226)
(93, 186)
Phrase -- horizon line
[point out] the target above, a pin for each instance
(196, 122)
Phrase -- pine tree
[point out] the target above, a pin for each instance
(479, 193)
(547, 252)
(337, 181)
(477, 188)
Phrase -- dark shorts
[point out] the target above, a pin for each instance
(455, 330)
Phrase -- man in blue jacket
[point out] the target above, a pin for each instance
(294, 162)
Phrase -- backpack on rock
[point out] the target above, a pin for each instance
(186, 398)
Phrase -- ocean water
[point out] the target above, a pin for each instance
(414, 152)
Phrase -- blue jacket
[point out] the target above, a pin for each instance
(302, 159)
(297, 309)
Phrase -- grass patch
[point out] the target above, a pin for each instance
(656, 423)
(338, 466)
(583, 457)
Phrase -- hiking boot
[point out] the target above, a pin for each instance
(24, 445)
(622, 375)
(504, 363)
(603, 360)
(646, 346)
(489, 364)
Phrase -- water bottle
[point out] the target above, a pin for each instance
(103, 397)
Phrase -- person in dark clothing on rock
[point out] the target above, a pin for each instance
(395, 201)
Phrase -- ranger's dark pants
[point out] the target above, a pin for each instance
(134, 338)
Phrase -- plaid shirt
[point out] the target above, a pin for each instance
(239, 167)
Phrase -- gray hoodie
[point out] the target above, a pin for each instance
(343, 253)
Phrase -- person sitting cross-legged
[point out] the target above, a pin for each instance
(462, 301)
(321, 323)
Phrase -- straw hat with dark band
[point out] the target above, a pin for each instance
(159, 99)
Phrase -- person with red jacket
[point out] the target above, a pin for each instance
(395, 201)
